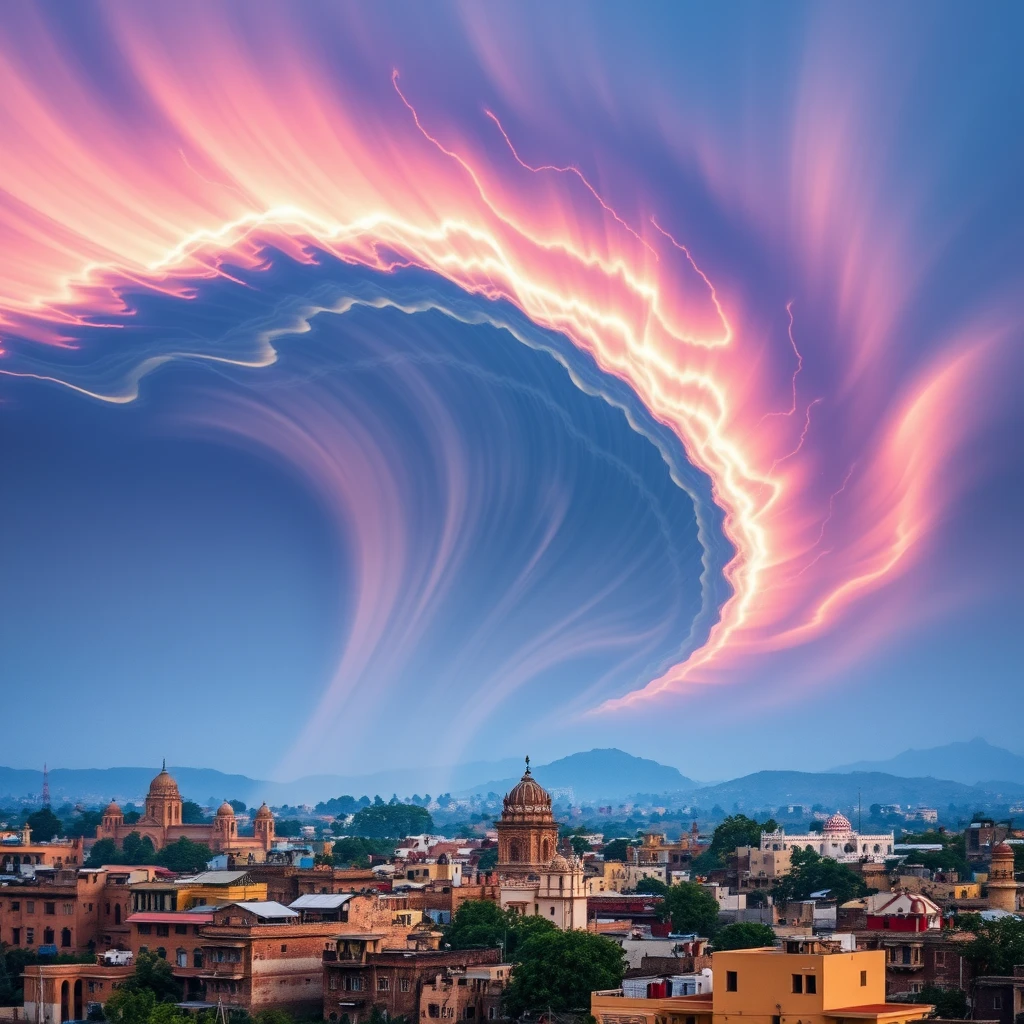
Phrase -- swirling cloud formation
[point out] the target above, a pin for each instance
(753, 274)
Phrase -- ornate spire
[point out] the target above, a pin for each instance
(527, 764)
(163, 767)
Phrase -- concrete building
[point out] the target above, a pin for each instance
(162, 824)
(60, 992)
(837, 840)
(757, 868)
(804, 984)
(19, 855)
(559, 894)
(360, 975)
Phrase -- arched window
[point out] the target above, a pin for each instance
(47, 936)
(117, 913)
(181, 958)
(65, 937)
(515, 851)
(161, 952)
(547, 850)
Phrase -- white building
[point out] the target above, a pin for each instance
(837, 841)
(558, 893)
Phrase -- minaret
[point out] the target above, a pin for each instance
(1002, 886)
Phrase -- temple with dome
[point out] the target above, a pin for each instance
(536, 880)
(837, 840)
(162, 825)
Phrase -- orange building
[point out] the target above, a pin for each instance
(805, 984)
(17, 851)
(60, 992)
(162, 823)
(527, 831)
(75, 911)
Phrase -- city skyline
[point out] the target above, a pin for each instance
(378, 392)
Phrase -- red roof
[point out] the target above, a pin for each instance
(169, 917)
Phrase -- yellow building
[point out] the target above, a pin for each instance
(805, 984)
(207, 889)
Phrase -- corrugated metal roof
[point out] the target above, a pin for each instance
(266, 908)
(320, 901)
(215, 878)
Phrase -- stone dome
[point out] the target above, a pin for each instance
(164, 785)
(527, 802)
(1002, 851)
(559, 863)
(264, 812)
(838, 823)
(225, 810)
(112, 809)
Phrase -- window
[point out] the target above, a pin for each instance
(433, 1010)
(181, 929)
(730, 981)
(69, 909)
(30, 906)
(30, 935)
(163, 930)
(811, 986)
(403, 984)
(16, 936)
(997, 1002)
(47, 936)
(776, 1019)
(552, 911)
(470, 1012)
(353, 984)
(15, 904)
(284, 947)
(798, 983)
(144, 929)
(863, 978)
(332, 982)
(383, 984)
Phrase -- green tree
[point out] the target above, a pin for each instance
(154, 974)
(104, 851)
(288, 827)
(949, 1003)
(45, 825)
(355, 851)
(192, 813)
(274, 1015)
(184, 856)
(137, 849)
(129, 1005)
(616, 849)
(813, 873)
(997, 946)
(488, 860)
(735, 830)
(690, 908)
(238, 806)
(84, 824)
(477, 923)
(744, 935)
(391, 821)
(652, 885)
(481, 923)
(558, 970)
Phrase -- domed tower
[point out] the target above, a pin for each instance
(1002, 887)
(163, 802)
(225, 826)
(527, 831)
(263, 826)
(112, 820)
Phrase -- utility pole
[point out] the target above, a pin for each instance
(46, 786)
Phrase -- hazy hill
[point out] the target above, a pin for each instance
(971, 762)
(603, 774)
(833, 789)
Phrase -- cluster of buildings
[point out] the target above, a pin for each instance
(266, 927)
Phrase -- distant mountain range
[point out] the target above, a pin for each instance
(973, 762)
(597, 775)
(953, 774)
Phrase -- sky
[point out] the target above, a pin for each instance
(384, 386)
